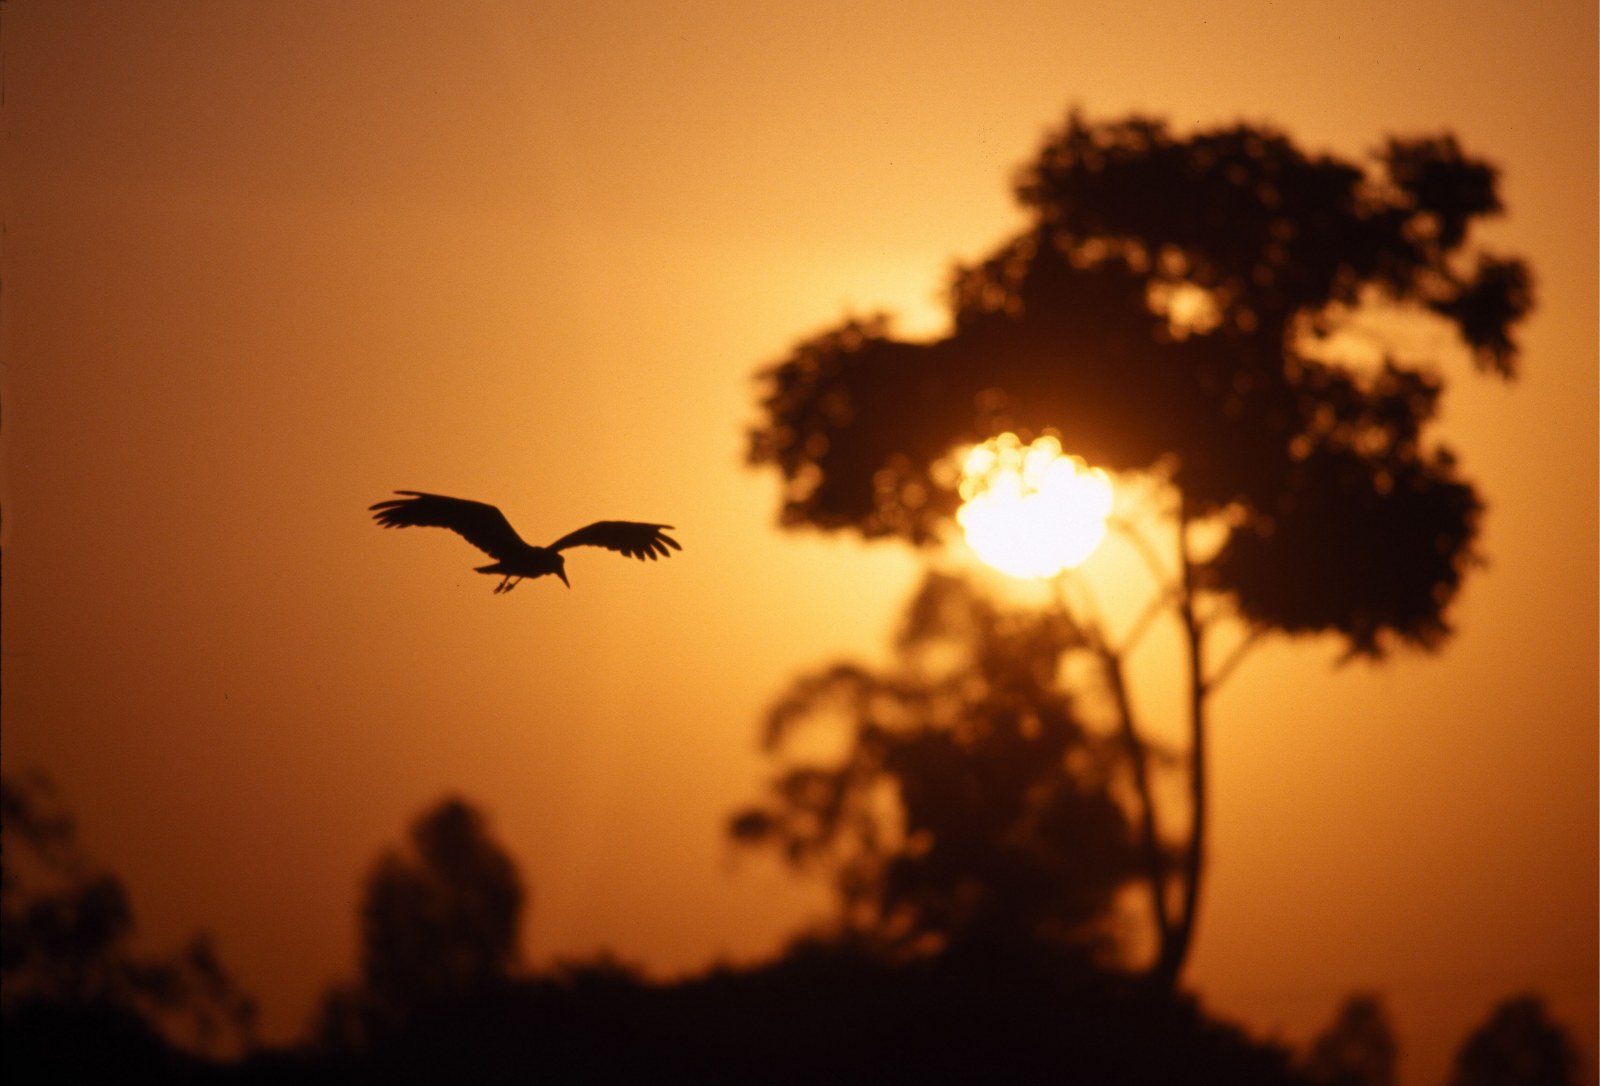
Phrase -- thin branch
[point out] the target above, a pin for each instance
(1234, 658)
(1138, 753)
(1165, 582)
(1158, 603)
(1091, 625)
(1169, 589)
(1138, 757)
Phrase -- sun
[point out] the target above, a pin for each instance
(1029, 510)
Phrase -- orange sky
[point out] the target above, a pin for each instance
(265, 262)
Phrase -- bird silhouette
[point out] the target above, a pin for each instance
(485, 527)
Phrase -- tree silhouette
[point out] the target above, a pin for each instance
(1518, 1046)
(439, 923)
(1358, 1049)
(1231, 317)
(971, 810)
(66, 934)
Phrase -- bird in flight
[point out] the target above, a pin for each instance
(485, 527)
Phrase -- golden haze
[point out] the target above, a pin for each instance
(266, 263)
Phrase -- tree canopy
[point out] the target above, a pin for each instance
(1359, 1047)
(972, 810)
(439, 923)
(1520, 1045)
(68, 953)
(1215, 307)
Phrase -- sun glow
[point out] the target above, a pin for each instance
(1029, 510)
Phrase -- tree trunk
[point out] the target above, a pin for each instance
(1138, 757)
(1179, 935)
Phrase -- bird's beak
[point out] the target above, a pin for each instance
(563, 575)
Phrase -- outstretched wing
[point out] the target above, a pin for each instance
(623, 536)
(481, 524)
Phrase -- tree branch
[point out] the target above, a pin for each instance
(1138, 757)
(1234, 658)
(1138, 760)
(1152, 610)
(1165, 582)
(1175, 951)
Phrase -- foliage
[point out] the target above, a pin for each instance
(67, 932)
(1191, 305)
(821, 1013)
(1518, 1046)
(439, 922)
(1233, 319)
(971, 808)
(1358, 1049)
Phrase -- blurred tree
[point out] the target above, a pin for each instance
(1518, 1046)
(1223, 314)
(439, 923)
(971, 810)
(66, 937)
(1358, 1049)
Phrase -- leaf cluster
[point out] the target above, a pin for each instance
(67, 931)
(971, 807)
(1219, 308)
(440, 920)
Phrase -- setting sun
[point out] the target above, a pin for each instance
(1029, 510)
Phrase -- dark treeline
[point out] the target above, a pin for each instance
(820, 1014)
(78, 1001)
(442, 998)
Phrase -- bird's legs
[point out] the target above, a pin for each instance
(507, 584)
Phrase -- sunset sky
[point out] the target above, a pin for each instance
(264, 263)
